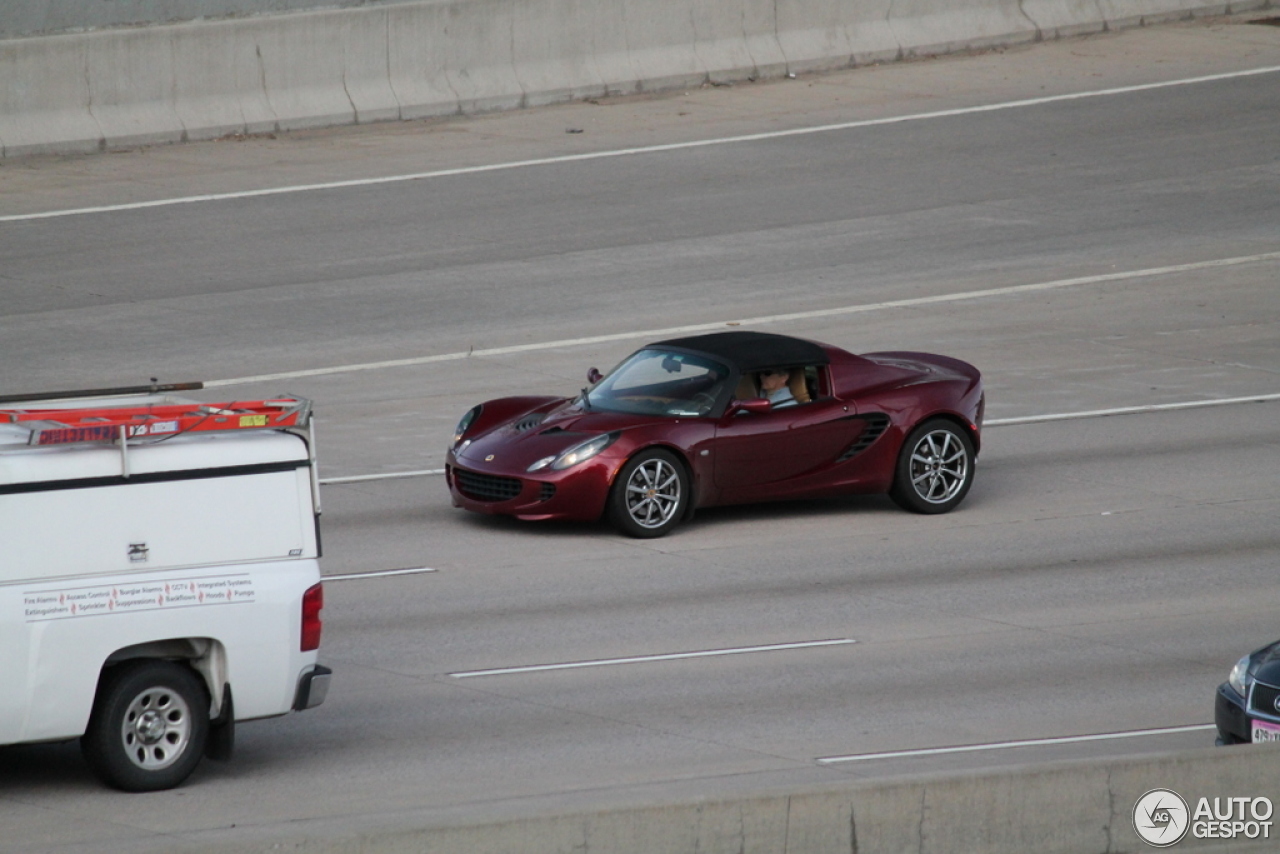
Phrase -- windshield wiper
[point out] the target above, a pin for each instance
(586, 400)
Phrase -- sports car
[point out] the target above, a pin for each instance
(684, 423)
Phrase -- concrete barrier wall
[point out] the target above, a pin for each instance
(1060, 808)
(121, 87)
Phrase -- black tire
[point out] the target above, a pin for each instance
(650, 495)
(149, 725)
(935, 468)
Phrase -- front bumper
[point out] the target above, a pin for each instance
(1230, 716)
(1235, 716)
(575, 494)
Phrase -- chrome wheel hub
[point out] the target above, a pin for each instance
(939, 467)
(653, 493)
(156, 729)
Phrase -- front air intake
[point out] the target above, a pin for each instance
(486, 487)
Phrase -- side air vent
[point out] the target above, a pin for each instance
(876, 424)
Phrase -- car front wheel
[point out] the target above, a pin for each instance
(650, 495)
(149, 725)
(935, 468)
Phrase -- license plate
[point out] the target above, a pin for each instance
(1263, 731)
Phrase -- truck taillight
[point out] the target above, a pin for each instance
(312, 602)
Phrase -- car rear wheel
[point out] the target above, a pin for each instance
(650, 495)
(935, 468)
(149, 725)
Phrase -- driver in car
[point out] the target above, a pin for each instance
(774, 388)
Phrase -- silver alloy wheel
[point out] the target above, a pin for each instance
(939, 466)
(156, 728)
(653, 493)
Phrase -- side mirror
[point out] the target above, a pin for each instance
(755, 404)
(594, 376)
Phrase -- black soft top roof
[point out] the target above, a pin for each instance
(751, 351)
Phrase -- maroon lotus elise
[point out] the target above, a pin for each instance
(725, 418)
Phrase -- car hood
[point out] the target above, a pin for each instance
(1267, 667)
(543, 432)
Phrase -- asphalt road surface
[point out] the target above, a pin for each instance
(1095, 253)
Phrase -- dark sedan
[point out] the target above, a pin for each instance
(1248, 704)
(725, 418)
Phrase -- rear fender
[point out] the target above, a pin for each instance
(928, 363)
(206, 656)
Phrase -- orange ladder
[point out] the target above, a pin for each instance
(106, 423)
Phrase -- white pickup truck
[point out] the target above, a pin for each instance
(159, 575)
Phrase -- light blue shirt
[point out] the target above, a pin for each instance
(781, 397)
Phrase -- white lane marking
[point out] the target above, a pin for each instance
(377, 573)
(1033, 742)
(357, 478)
(648, 149)
(766, 319)
(1130, 410)
(674, 656)
(997, 422)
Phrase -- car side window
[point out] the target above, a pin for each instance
(815, 382)
(788, 387)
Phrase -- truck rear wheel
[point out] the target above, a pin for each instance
(149, 725)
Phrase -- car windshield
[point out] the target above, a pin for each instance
(661, 382)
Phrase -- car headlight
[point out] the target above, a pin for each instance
(1239, 678)
(579, 453)
(465, 424)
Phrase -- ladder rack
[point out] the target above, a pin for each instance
(103, 422)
